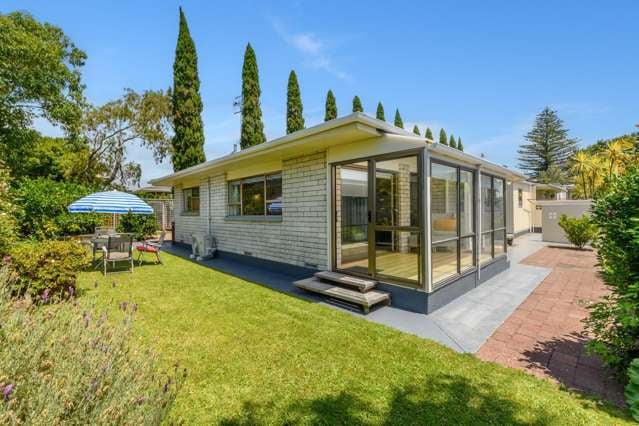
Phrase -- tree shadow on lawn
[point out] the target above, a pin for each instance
(565, 359)
(445, 399)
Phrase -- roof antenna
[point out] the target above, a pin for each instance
(234, 148)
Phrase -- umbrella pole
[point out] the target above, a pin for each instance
(113, 223)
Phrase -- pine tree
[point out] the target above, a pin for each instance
(459, 144)
(294, 108)
(452, 142)
(398, 120)
(252, 132)
(443, 139)
(416, 130)
(188, 141)
(331, 107)
(379, 114)
(428, 134)
(548, 145)
(357, 105)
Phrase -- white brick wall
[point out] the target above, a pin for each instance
(299, 239)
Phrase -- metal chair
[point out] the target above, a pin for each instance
(151, 246)
(118, 248)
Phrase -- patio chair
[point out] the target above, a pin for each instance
(118, 248)
(151, 246)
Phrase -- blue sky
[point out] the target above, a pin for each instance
(482, 70)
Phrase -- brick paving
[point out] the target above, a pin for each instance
(545, 335)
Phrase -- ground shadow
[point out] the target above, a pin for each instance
(565, 359)
(443, 399)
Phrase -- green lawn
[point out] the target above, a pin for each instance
(258, 356)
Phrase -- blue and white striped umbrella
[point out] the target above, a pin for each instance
(110, 202)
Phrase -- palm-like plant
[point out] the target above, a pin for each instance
(582, 164)
(617, 154)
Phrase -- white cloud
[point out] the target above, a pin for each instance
(313, 49)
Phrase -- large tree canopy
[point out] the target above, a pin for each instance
(188, 142)
(548, 145)
(107, 131)
(39, 74)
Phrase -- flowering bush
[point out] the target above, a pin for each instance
(69, 363)
(50, 266)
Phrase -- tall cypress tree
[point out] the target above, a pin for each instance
(459, 144)
(548, 145)
(398, 119)
(188, 141)
(452, 142)
(357, 105)
(416, 130)
(443, 139)
(252, 132)
(379, 114)
(428, 134)
(331, 107)
(294, 108)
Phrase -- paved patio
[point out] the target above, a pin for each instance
(463, 325)
(545, 335)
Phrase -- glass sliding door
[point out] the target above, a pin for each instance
(351, 217)
(397, 230)
(377, 219)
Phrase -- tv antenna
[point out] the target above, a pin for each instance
(237, 105)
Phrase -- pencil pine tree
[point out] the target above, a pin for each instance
(357, 105)
(416, 130)
(331, 107)
(294, 108)
(188, 140)
(443, 139)
(379, 114)
(398, 119)
(459, 144)
(428, 134)
(452, 142)
(252, 131)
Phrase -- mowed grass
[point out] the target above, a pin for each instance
(256, 356)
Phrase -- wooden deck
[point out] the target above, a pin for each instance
(360, 284)
(365, 300)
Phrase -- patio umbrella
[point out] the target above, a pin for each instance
(110, 202)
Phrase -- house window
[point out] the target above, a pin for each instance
(493, 218)
(452, 221)
(520, 198)
(256, 196)
(191, 200)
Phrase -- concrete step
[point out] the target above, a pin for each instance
(361, 284)
(365, 300)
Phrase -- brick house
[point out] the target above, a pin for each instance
(357, 197)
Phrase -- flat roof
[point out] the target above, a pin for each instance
(357, 126)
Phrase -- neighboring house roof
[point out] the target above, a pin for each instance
(153, 188)
(351, 128)
(553, 186)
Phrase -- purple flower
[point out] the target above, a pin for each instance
(45, 296)
(71, 291)
(6, 260)
(7, 391)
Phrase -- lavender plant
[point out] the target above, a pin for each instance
(70, 363)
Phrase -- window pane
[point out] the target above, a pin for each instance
(499, 203)
(234, 192)
(443, 201)
(396, 197)
(486, 203)
(234, 210)
(444, 260)
(274, 187)
(274, 209)
(466, 196)
(253, 196)
(467, 251)
(500, 241)
(486, 249)
(351, 216)
(397, 254)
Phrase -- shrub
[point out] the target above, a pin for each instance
(43, 214)
(632, 389)
(614, 321)
(47, 265)
(142, 226)
(71, 364)
(8, 228)
(579, 230)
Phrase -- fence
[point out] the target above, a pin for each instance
(163, 209)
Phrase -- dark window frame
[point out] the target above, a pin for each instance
(265, 203)
(459, 237)
(493, 231)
